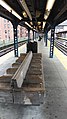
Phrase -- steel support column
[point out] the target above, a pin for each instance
(28, 35)
(33, 35)
(52, 42)
(15, 40)
(46, 37)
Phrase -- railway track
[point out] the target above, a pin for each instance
(10, 48)
(62, 46)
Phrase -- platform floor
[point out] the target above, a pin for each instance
(55, 102)
(8, 59)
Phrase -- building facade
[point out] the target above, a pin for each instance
(6, 31)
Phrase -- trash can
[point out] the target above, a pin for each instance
(32, 46)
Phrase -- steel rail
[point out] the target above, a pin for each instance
(61, 46)
(10, 48)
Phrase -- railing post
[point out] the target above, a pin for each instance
(46, 37)
(28, 35)
(33, 35)
(15, 39)
(52, 42)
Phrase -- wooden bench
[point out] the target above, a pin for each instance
(24, 89)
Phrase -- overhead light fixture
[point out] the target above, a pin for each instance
(26, 9)
(31, 23)
(45, 16)
(7, 7)
(39, 26)
(28, 25)
(24, 14)
(50, 4)
(34, 29)
(44, 24)
(39, 23)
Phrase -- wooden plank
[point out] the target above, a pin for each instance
(5, 79)
(23, 54)
(5, 86)
(11, 70)
(16, 64)
(30, 89)
(20, 59)
(33, 79)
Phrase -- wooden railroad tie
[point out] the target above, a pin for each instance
(24, 82)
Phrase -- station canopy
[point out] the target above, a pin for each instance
(37, 15)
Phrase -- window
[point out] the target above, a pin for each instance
(8, 31)
(4, 25)
(17, 31)
(4, 20)
(0, 32)
(5, 31)
(5, 36)
(7, 20)
(9, 37)
(8, 25)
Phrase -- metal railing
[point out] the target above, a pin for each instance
(61, 45)
(7, 48)
(4, 43)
